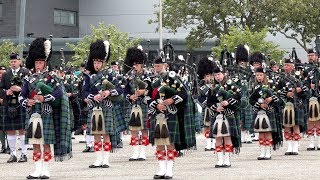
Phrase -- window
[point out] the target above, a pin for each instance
(65, 17)
(1, 11)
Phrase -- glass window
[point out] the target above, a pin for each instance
(1, 11)
(65, 17)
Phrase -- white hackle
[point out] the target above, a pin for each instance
(106, 45)
(47, 48)
(247, 47)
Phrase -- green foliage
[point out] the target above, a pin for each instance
(298, 20)
(206, 19)
(6, 48)
(255, 41)
(111, 33)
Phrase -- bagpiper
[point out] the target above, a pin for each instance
(136, 95)
(171, 118)
(205, 74)
(223, 100)
(263, 101)
(48, 120)
(102, 93)
(84, 112)
(312, 79)
(293, 93)
(14, 114)
(240, 76)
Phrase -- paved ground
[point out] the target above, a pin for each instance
(195, 165)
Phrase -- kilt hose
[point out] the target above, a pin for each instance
(17, 123)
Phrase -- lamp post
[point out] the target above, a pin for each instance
(160, 25)
(21, 23)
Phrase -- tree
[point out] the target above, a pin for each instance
(6, 48)
(118, 41)
(206, 19)
(255, 41)
(212, 18)
(298, 20)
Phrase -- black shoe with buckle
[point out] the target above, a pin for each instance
(23, 158)
(12, 159)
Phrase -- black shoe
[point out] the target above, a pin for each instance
(141, 159)
(218, 166)
(12, 159)
(205, 149)
(226, 166)
(73, 138)
(294, 153)
(88, 149)
(249, 142)
(93, 166)
(158, 177)
(105, 166)
(32, 177)
(311, 149)
(82, 141)
(167, 177)
(29, 148)
(44, 177)
(23, 158)
(261, 158)
(132, 159)
(288, 153)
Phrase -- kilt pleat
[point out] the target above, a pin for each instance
(16, 123)
(144, 109)
(173, 127)
(48, 123)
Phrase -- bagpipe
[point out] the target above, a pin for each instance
(216, 95)
(136, 115)
(165, 91)
(313, 76)
(262, 121)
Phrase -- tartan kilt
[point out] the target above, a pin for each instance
(272, 118)
(84, 115)
(246, 118)
(48, 123)
(234, 128)
(173, 127)
(299, 115)
(144, 109)
(114, 121)
(16, 123)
